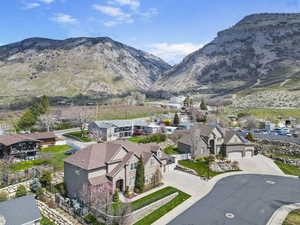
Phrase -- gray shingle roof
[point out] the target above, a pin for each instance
(20, 211)
(121, 123)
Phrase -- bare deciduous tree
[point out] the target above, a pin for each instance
(47, 121)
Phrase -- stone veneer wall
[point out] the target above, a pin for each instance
(53, 215)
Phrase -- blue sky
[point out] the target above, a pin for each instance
(170, 29)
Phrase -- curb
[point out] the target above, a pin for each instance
(280, 214)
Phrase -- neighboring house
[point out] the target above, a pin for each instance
(24, 145)
(214, 140)
(113, 165)
(20, 211)
(110, 130)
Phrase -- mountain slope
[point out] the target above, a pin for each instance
(261, 51)
(78, 65)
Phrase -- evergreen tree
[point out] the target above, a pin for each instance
(250, 137)
(26, 121)
(203, 105)
(176, 120)
(46, 178)
(45, 103)
(140, 177)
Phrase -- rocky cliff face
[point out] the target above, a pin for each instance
(261, 51)
(79, 65)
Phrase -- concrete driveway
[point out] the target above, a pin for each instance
(242, 200)
(259, 164)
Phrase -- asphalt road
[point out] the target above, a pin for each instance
(250, 199)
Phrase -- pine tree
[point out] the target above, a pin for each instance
(176, 120)
(203, 105)
(140, 177)
(45, 103)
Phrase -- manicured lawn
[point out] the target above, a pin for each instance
(171, 150)
(78, 136)
(26, 164)
(200, 167)
(142, 202)
(288, 169)
(136, 139)
(293, 218)
(55, 158)
(155, 215)
(57, 155)
(56, 149)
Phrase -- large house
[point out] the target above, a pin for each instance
(111, 164)
(111, 130)
(24, 145)
(213, 140)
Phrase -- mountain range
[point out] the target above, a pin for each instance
(258, 58)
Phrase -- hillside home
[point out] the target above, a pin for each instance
(24, 145)
(111, 130)
(111, 164)
(214, 140)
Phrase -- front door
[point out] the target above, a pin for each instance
(120, 185)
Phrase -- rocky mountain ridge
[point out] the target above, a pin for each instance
(261, 51)
(39, 66)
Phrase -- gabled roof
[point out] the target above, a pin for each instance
(120, 165)
(121, 123)
(94, 156)
(20, 211)
(11, 139)
(98, 155)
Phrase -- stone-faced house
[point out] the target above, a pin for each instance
(214, 140)
(112, 165)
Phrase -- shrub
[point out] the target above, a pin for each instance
(35, 185)
(250, 137)
(21, 191)
(3, 196)
(116, 197)
(40, 193)
(46, 178)
(52, 204)
(158, 138)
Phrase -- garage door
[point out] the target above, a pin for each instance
(235, 155)
(248, 154)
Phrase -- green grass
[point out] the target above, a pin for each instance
(136, 139)
(156, 214)
(200, 167)
(154, 138)
(171, 150)
(26, 164)
(285, 156)
(147, 200)
(56, 157)
(293, 218)
(78, 136)
(46, 221)
(288, 169)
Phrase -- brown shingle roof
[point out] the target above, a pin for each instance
(11, 139)
(120, 165)
(41, 135)
(94, 156)
(99, 180)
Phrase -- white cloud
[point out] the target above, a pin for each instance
(47, 1)
(63, 18)
(149, 13)
(132, 3)
(118, 14)
(32, 5)
(173, 53)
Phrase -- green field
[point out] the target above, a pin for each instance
(288, 169)
(201, 167)
(27, 164)
(155, 215)
(171, 150)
